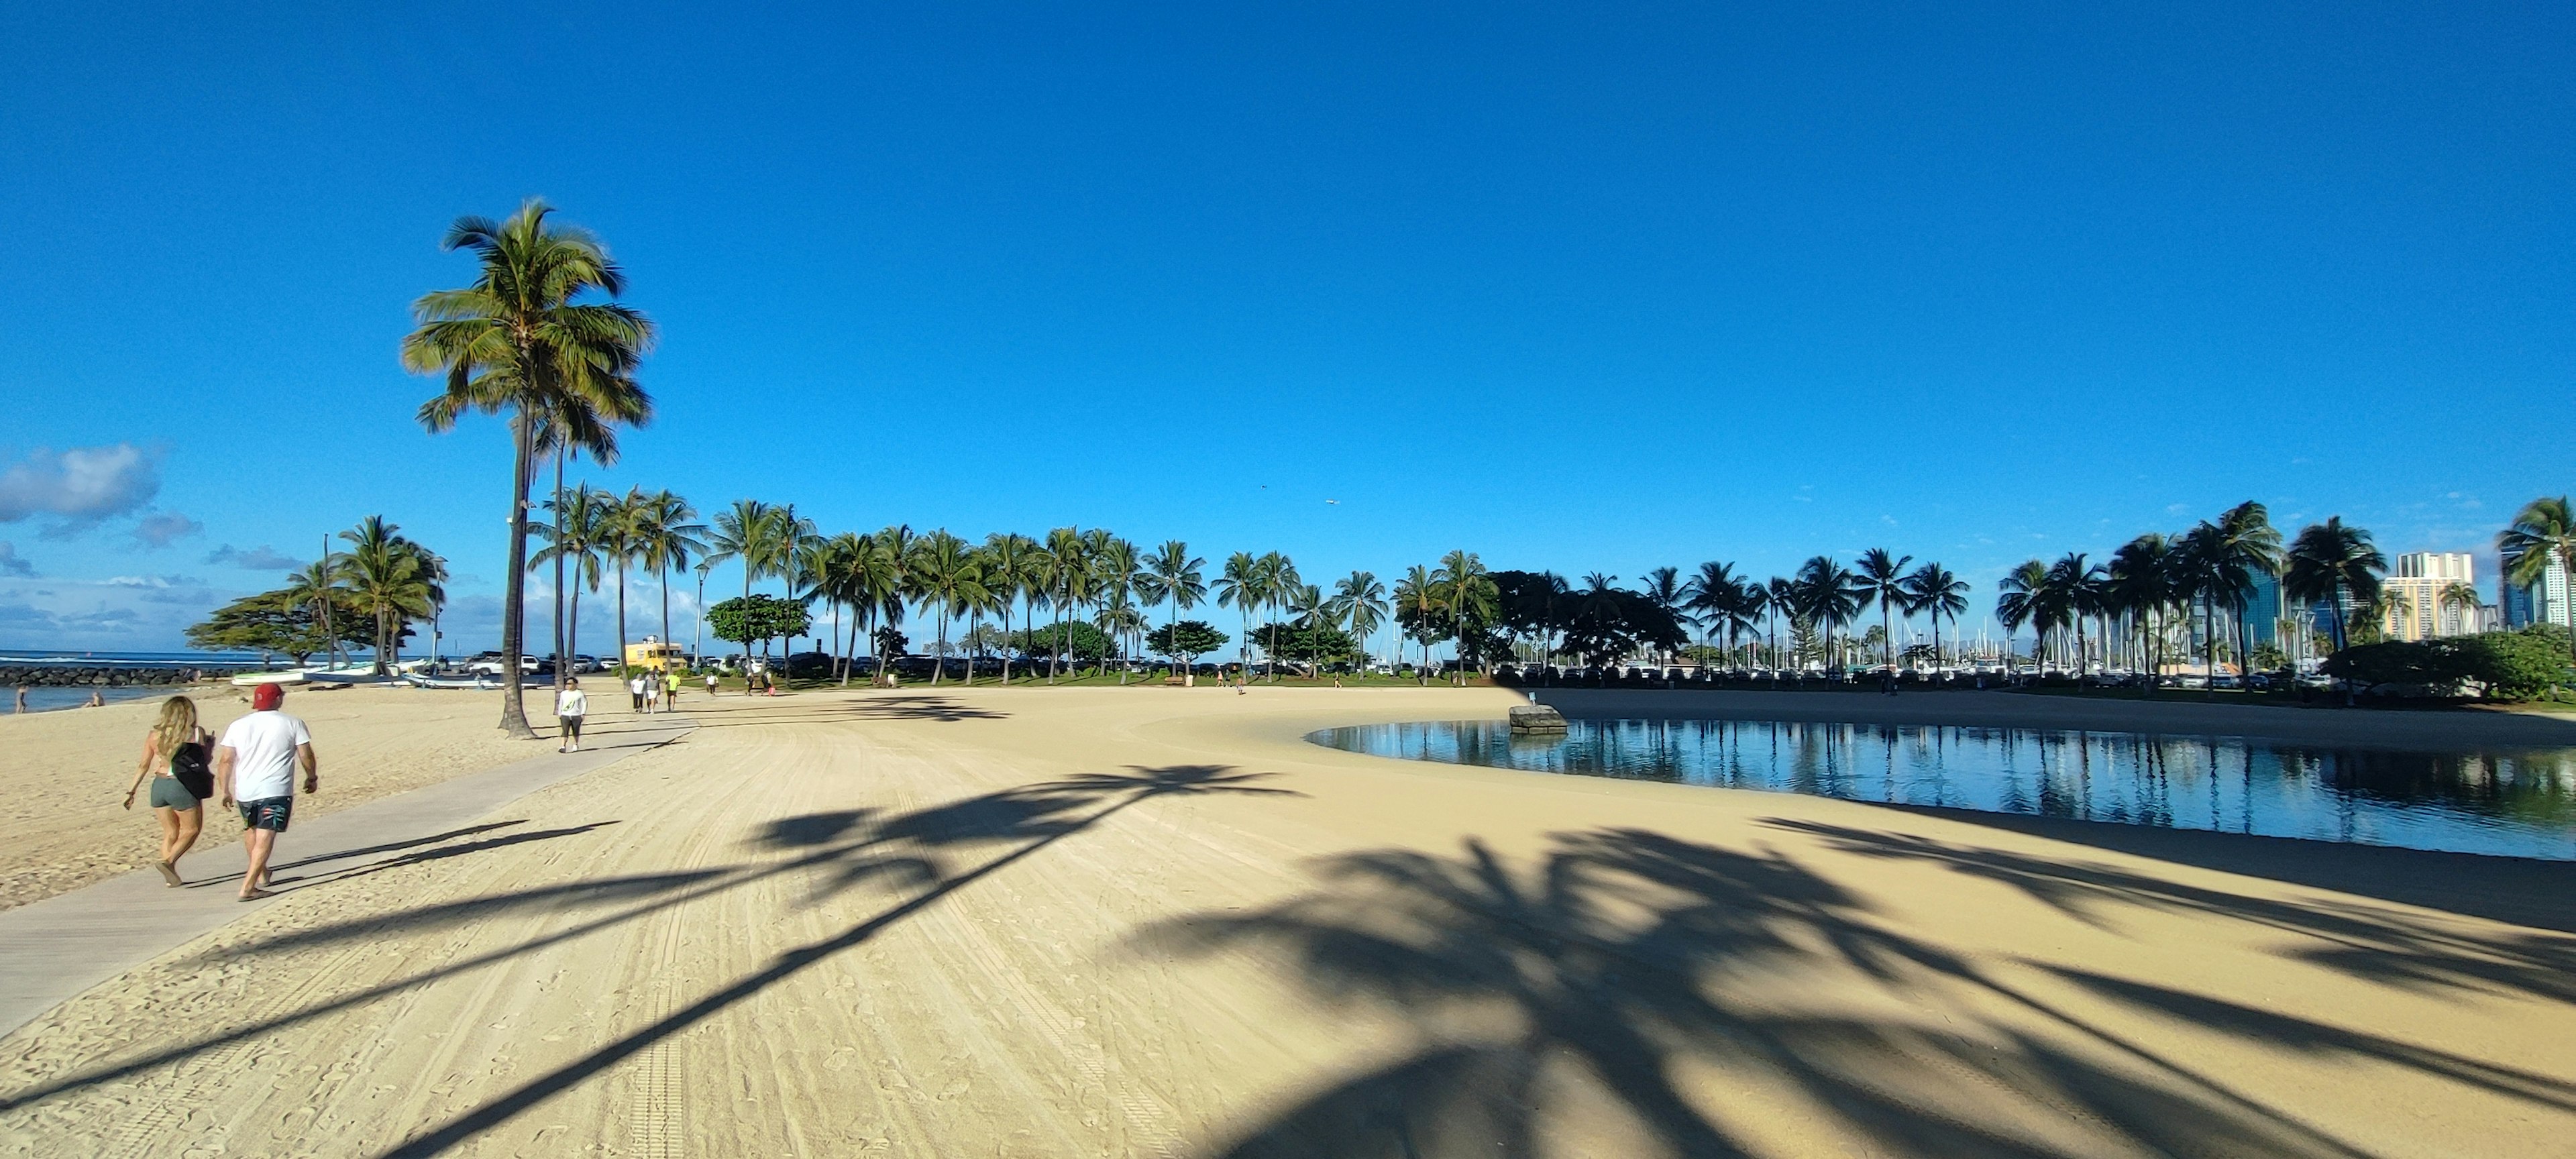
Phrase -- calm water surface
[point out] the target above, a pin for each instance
(2519, 804)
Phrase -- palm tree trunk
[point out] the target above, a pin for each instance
(559, 568)
(939, 663)
(621, 615)
(514, 592)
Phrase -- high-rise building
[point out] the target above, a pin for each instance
(2541, 602)
(2416, 610)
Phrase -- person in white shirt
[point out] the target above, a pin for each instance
(255, 766)
(570, 707)
(635, 688)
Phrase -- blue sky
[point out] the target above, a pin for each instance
(1576, 287)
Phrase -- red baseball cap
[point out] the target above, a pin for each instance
(267, 697)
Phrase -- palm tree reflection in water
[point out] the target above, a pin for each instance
(2507, 803)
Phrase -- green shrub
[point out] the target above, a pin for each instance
(2511, 665)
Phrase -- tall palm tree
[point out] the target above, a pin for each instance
(1931, 588)
(978, 596)
(945, 566)
(574, 539)
(1238, 585)
(1780, 598)
(887, 574)
(1118, 618)
(383, 570)
(1471, 594)
(1831, 596)
(2074, 592)
(2141, 586)
(1115, 568)
(1714, 597)
(2023, 597)
(1068, 575)
(2460, 598)
(1882, 579)
(2246, 545)
(519, 340)
(740, 533)
(1417, 600)
(2336, 564)
(1173, 576)
(1011, 571)
(666, 535)
(1662, 587)
(2543, 532)
(1278, 581)
(1359, 602)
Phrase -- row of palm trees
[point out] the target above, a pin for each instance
(871, 581)
(596, 534)
(2153, 587)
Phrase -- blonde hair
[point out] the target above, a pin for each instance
(177, 726)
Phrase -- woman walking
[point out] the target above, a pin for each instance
(570, 707)
(177, 758)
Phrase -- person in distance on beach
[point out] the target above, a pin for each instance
(175, 758)
(22, 698)
(635, 688)
(570, 707)
(255, 766)
(96, 700)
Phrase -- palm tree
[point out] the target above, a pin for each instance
(739, 532)
(1470, 592)
(1714, 597)
(2543, 532)
(1662, 587)
(575, 537)
(383, 570)
(620, 545)
(517, 340)
(1011, 571)
(2335, 564)
(1359, 601)
(1172, 575)
(2141, 585)
(2024, 598)
(1068, 580)
(2460, 598)
(1830, 596)
(886, 574)
(1417, 600)
(2074, 591)
(1780, 598)
(1278, 581)
(1882, 579)
(1119, 619)
(1238, 585)
(665, 537)
(1933, 589)
(1114, 571)
(978, 594)
(945, 566)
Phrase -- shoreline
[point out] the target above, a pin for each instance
(2399, 731)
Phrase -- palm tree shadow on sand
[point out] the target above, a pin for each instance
(927, 854)
(1612, 984)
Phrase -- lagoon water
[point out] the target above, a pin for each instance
(2520, 804)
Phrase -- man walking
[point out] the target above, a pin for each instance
(255, 766)
(635, 688)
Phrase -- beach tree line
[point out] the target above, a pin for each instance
(369, 594)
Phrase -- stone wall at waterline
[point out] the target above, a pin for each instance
(112, 675)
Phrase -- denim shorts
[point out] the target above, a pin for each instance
(267, 813)
(168, 793)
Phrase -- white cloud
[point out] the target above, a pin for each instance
(83, 485)
(12, 563)
(162, 528)
(261, 558)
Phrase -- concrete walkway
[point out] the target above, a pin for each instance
(53, 949)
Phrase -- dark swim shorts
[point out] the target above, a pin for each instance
(267, 813)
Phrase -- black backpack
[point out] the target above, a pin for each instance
(194, 773)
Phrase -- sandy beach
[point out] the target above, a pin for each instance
(63, 773)
(1157, 922)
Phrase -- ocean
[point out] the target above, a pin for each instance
(41, 698)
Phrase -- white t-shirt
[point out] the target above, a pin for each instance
(263, 745)
(570, 702)
(636, 686)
